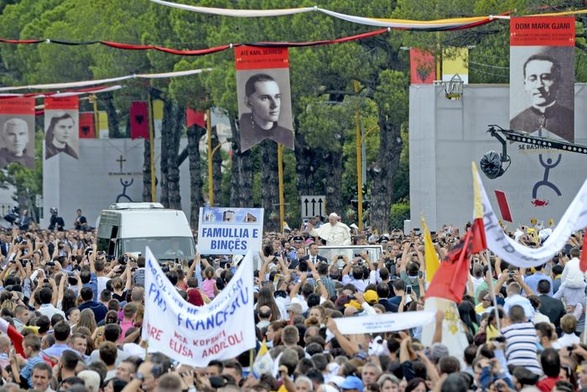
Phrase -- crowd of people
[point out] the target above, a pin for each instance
(80, 314)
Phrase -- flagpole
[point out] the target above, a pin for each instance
(359, 143)
(492, 290)
(584, 334)
(152, 149)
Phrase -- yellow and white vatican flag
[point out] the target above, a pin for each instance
(453, 333)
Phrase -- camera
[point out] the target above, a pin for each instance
(340, 257)
(408, 290)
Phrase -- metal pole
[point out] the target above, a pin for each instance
(280, 176)
(359, 164)
(152, 149)
(492, 291)
(363, 154)
(94, 101)
(210, 167)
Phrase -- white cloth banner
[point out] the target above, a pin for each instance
(225, 230)
(196, 335)
(236, 12)
(86, 83)
(382, 22)
(387, 322)
(574, 219)
(68, 94)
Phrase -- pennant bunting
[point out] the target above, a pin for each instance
(87, 125)
(422, 66)
(194, 117)
(139, 120)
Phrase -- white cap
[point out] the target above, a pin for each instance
(333, 215)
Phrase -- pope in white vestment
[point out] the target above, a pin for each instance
(335, 233)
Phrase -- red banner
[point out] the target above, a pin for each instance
(422, 67)
(62, 103)
(252, 57)
(194, 117)
(139, 120)
(24, 106)
(542, 31)
(87, 125)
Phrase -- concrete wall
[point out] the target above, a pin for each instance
(447, 135)
(94, 182)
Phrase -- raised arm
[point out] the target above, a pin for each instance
(350, 347)
(318, 280)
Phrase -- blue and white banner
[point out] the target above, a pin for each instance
(387, 322)
(225, 230)
(196, 335)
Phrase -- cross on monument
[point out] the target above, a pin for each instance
(121, 160)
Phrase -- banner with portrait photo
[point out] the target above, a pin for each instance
(542, 76)
(17, 138)
(62, 126)
(225, 230)
(264, 96)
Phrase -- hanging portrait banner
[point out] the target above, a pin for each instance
(264, 96)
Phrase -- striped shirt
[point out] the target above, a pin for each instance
(521, 349)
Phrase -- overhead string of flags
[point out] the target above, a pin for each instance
(449, 24)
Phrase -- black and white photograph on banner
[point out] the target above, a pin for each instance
(542, 91)
(264, 104)
(61, 133)
(17, 140)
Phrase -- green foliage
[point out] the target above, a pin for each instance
(325, 103)
(399, 213)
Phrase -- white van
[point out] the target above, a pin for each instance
(130, 227)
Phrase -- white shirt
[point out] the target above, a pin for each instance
(567, 340)
(49, 310)
(338, 234)
(102, 280)
(524, 302)
(540, 318)
(572, 276)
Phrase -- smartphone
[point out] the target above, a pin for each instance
(409, 290)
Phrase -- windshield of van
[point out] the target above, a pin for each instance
(163, 248)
